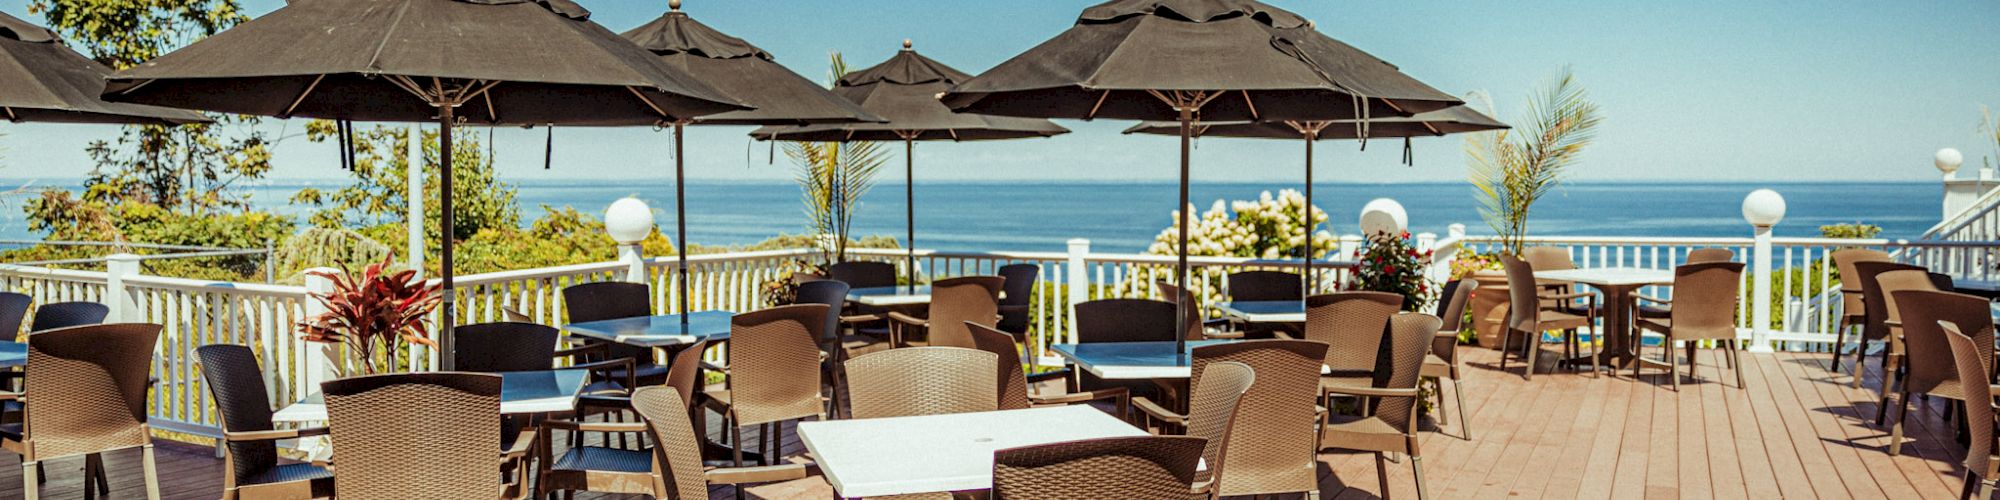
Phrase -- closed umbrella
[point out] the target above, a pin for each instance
(1453, 120)
(744, 72)
(43, 81)
(1195, 60)
(904, 90)
(517, 62)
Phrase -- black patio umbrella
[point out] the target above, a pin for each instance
(744, 72)
(512, 62)
(1459, 119)
(1194, 60)
(41, 80)
(904, 90)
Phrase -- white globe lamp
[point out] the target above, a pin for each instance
(1763, 208)
(1948, 160)
(1383, 215)
(628, 220)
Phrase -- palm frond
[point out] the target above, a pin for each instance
(1511, 171)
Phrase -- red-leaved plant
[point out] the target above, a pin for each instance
(378, 308)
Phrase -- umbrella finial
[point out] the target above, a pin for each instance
(906, 44)
(674, 4)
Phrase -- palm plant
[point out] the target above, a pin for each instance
(833, 176)
(1510, 171)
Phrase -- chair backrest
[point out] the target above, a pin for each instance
(1523, 295)
(68, 314)
(862, 274)
(1270, 446)
(1452, 311)
(1876, 297)
(1852, 287)
(684, 371)
(1020, 283)
(1979, 397)
(504, 347)
(510, 313)
(774, 370)
(1212, 410)
(1012, 381)
(961, 300)
(1122, 467)
(1124, 320)
(1249, 286)
(416, 435)
(1409, 339)
(1706, 255)
(1548, 258)
(237, 383)
(1942, 282)
(1351, 324)
(829, 293)
(1190, 308)
(13, 312)
(676, 450)
(89, 388)
(1928, 357)
(610, 300)
(1705, 300)
(922, 381)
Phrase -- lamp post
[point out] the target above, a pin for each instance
(1383, 215)
(1763, 208)
(629, 220)
(1957, 194)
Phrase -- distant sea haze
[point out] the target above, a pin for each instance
(1124, 217)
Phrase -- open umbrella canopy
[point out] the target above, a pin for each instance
(1236, 60)
(43, 81)
(743, 72)
(501, 61)
(1453, 120)
(904, 90)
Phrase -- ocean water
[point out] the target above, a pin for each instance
(1124, 217)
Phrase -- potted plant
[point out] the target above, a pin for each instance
(374, 314)
(1392, 264)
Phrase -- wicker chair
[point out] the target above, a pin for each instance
(865, 319)
(773, 374)
(1563, 297)
(13, 311)
(1527, 317)
(1392, 425)
(1198, 328)
(1019, 290)
(517, 347)
(1274, 441)
(1882, 324)
(672, 469)
(422, 435)
(1979, 412)
(1013, 380)
(1119, 320)
(923, 381)
(1352, 325)
(1930, 371)
(954, 302)
(1703, 309)
(1123, 467)
(88, 384)
(68, 314)
(1852, 290)
(614, 300)
(1259, 286)
(1218, 390)
(1442, 363)
(1696, 256)
(838, 345)
(249, 438)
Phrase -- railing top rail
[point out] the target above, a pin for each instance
(1975, 212)
(50, 272)
(703, 258)
(1736, 241)
(897, 252)
(1208, 260)
(205, 286)
(535, 273)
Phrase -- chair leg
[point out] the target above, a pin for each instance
(1839, 340)
(1888, 384)
(1464, 422)
(1506, 337)
(1417, 469)
(1736, 363)
(152, 472)
(1674, 364)
(1860, 356)
(1896, 429)
(1596, 357)
(31, 480)
(1382, 474)
(1534, 346)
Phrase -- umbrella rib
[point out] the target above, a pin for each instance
(1252, 104)
(302, 95)
(410, 86)
(491, 115)
(1100, 104)
(137, 87)
(10, 114)
(649, 102)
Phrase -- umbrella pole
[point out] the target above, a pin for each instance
(910, 205)
(1311, 226)
(446, 338)
(680, 221)
(1181, 265)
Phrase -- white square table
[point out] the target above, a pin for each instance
(520, 392)
(664, 330)
(1617, 283)
(899, 295)
(1266, 311)
(938, 453)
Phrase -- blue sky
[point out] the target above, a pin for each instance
(1749, 90)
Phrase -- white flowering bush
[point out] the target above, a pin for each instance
(1271, 227)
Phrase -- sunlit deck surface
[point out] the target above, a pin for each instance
(1797, 432)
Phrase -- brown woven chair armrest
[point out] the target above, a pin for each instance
(598, 348)
(1283, 335)
(572, 425)
(764, 474)
(12, 396)
(1570, 295)
(1222, 335)
(523, 444)
(712, 366)
(1113, 394)
(862, 318)
(1377, 392)
(899, 317)
(1157, 412)
(589, 401)
(1655, 300)
(1892, 322)
(629, 381)
(273, 435)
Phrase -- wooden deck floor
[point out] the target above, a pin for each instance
(1796, 432)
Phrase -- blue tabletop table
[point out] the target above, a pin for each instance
(900, 295)
(546, 391)
(1132, 360)
(1267, 311)
(13, 354)
(657, 331)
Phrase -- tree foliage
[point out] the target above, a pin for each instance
(379, 187)
(1511, 169)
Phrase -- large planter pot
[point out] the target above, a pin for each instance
(1489, 306)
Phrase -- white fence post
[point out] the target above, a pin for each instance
(635, 263)
(1079, 280)
(117, 267)
(316, 357)
(1763, 208)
